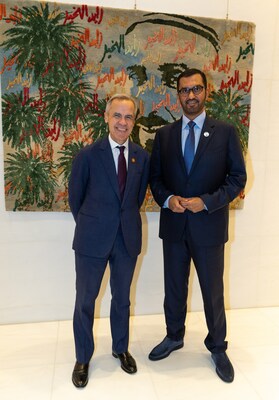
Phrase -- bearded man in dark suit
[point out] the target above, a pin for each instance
(197, 169)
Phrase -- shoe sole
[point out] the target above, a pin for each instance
(165, 355)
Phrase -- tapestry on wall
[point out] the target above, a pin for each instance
(61, 62)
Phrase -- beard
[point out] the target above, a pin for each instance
(192, 107)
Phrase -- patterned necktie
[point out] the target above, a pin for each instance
(122, 170)
(189, 149)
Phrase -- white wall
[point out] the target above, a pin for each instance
(36, 261)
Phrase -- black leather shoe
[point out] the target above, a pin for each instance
(128, 364)
(80, 375)
(164, 349)
(224, 368)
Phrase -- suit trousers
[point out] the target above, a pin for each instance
(89, 275)
(209, 264)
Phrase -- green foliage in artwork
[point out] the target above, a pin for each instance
(40, 42)
(67, 99)
(31, 180)
(95, 120)
(57, 112)
(229, 107)
(20, 121)
(64, 163)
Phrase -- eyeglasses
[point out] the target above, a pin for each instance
(187, 90)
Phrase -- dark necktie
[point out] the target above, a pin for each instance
(189, 149)
(122, 170)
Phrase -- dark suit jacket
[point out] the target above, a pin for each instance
(217, 176)
(95, 202)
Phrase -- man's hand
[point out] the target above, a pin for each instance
(175, 204)
(194, 204)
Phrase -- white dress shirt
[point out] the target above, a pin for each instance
(116, 151)
(199, 121)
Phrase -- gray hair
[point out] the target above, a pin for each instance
(122, 96)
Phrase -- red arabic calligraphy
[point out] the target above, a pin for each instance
(235, 81)
(110, 76)
(8, 63)
(93, 105)
(188, 46)
(161, 36)
(96, 42)
(39, 104)
(217, 65)
(25, 95)
(2, 11)
(81, 61)
(13, 18)
(82, 12)
(54, 132)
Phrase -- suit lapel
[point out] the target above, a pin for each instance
(109, 166)
(207, 133)
(132, 167)
(175, 135)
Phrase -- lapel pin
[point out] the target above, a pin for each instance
(206, 134)
(133, 160)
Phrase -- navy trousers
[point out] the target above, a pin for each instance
(209, 264)
(89, 275)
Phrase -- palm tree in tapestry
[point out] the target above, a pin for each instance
(64, 165)
(66, 99)
(65, 161)
(231, 107)
(21, 120)
(40, 43)
(43, 48)
(95, 123)
(30, 180)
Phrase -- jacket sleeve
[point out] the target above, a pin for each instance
(158, 188)
(235, 179)
(144, 179)
(78, 182)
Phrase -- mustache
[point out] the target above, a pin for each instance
(190, 101)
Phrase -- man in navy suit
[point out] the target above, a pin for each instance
(196, 170)
(106, 190)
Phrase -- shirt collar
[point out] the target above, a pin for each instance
(199, 120)
(114, 144)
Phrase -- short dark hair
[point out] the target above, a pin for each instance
(189, 72)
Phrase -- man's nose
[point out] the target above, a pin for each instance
(122, 119)
(191, 95)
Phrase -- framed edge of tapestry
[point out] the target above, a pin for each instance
(61, 62)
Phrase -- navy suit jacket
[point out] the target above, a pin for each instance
(217, 176)
(95, 201)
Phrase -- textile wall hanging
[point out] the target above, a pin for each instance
(60, 63)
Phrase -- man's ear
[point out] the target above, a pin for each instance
(106, 117)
